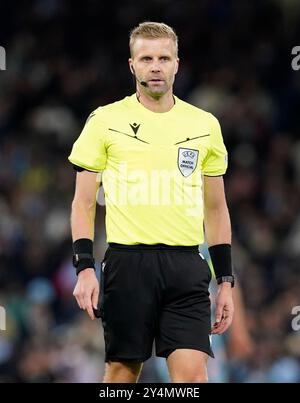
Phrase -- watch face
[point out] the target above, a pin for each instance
(223, 279)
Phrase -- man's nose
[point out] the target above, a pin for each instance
(155, 67)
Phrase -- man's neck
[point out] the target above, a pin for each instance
(160, 105)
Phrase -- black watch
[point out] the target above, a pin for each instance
(226, 279)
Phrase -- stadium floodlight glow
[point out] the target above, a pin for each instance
(2, 58)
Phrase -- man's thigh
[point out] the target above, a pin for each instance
(187, 365)
(185, 318)
(122, 372)
(129, 305)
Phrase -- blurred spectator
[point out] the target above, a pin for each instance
(61, 64)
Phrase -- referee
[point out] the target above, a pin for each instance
(162, 162)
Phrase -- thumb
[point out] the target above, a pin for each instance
(219, 312)
(95, 297)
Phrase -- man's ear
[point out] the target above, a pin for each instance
(131, 66)
(176, 66)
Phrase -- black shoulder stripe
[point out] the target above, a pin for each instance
(80, 169)
(190, 139)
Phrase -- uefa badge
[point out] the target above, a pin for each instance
(187, 160)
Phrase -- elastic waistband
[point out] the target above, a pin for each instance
(158, 246)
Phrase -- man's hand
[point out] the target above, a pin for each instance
(224, 309)
(86, 291)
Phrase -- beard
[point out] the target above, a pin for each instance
(157, 90)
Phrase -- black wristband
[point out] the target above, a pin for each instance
(83, 254)
(221, 259)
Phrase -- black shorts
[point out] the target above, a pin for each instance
(154, 292)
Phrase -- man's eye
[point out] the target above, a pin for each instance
(146, 59)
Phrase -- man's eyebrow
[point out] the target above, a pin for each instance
(151, 57)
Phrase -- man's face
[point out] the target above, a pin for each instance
(155, 62)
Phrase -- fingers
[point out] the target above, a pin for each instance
(95, 298)
(87, 298)
(78, 298)
(222, 325)
(84, 301)
(219, 314)
(88, 305)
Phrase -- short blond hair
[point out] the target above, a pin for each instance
(152, 30)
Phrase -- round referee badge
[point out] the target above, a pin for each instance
(187, 160)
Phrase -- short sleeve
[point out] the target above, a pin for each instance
(89, 150)
(216, 161)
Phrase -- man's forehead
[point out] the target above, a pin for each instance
(155, 45)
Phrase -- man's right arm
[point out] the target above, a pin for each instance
(86, 290)
(84, 205)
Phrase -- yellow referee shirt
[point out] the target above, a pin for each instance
(152, 166)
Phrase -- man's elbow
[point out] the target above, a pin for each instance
(79, 204)
(216, 208)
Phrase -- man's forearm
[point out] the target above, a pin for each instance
(217, 226)
(82, 220)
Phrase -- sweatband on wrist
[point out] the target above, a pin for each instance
(83, 254)
(221, 259)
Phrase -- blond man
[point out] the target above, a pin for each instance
(162, 163)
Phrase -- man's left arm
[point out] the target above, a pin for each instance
(218, 235)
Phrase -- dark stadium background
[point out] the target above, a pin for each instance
(66, 58)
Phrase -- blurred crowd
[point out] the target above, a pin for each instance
(66, 58)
